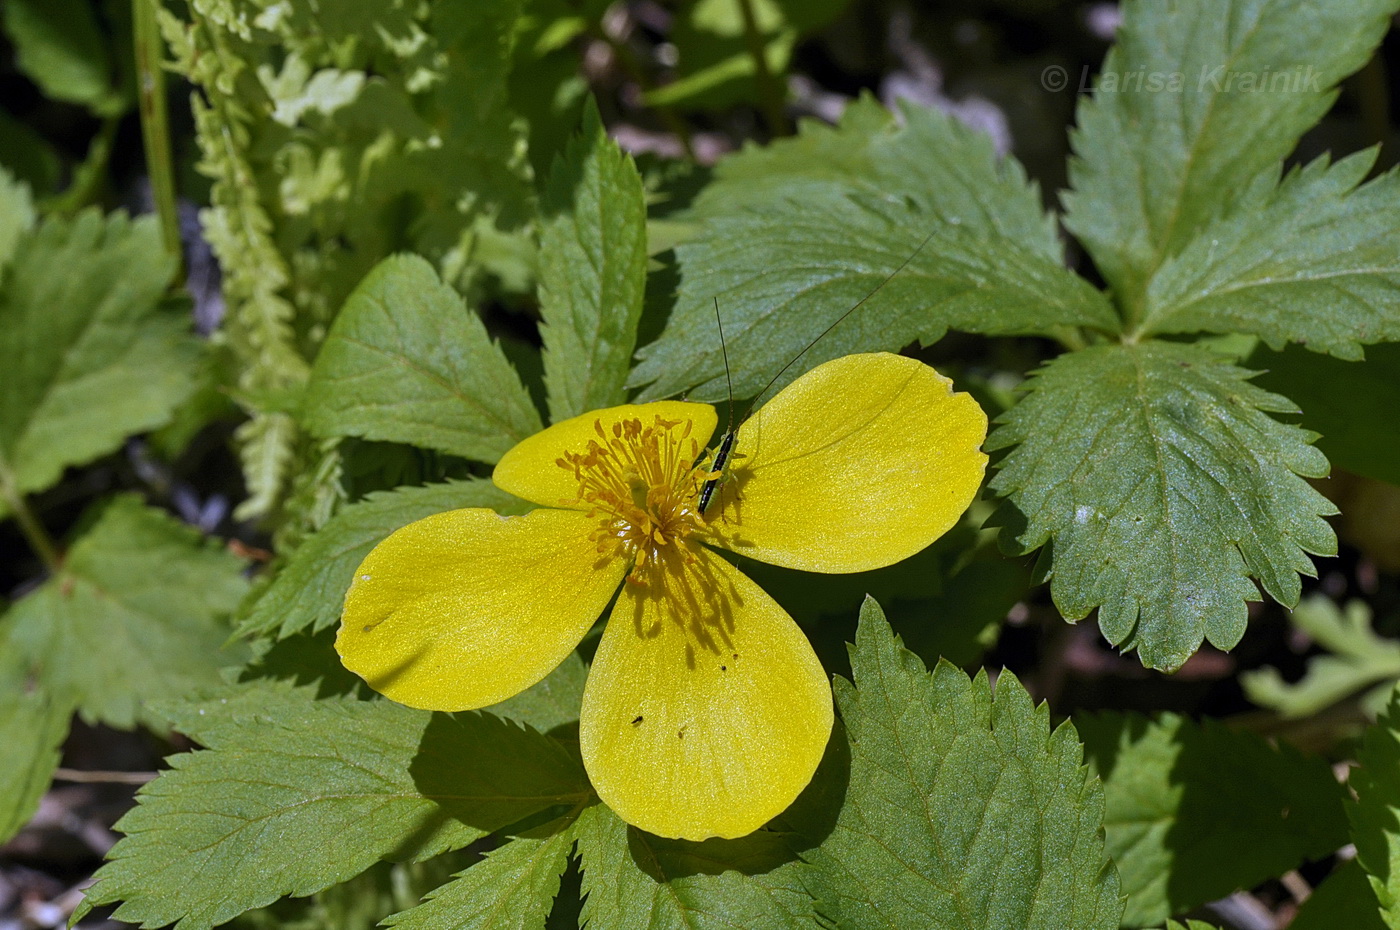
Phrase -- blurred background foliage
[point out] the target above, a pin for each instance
(282, 148)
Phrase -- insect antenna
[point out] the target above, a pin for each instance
(720, 463)
(726, 445)
(820, 336)
(724, 350)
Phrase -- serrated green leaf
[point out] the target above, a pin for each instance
(551, 703)
(782, 279)
(593, 258)
(135, 615)
(1165, 487)
(1344, 401)
(1375, 823)
(1195, 107)
(408, 361)
(512, 888)
(359, 903)
(964, 809)
(1344, 899)
(1317, 263)
(16, 216)
(1194, 812)
(59, 47)
(951, 170)
(307, 659)
(293, 795)
(634, 879)
(88, 358)
(33, 724)
(1356, 658)
(309, 591)
(767, 252)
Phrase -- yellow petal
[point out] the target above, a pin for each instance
(858, 464)
(531, 470)
(465, 608)
(706, 711)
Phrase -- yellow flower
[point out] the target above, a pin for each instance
(706, 711)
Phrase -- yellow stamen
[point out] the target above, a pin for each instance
(642, 485)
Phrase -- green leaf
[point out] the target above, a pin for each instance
(964, 809)
(294, 795)
(1356, 658)
(304, 659)
(552, 703)
(135, 615)
(1193, 114)
(946, 167)
(32, 158)
(59, 46)
(634, 879)
(1195, 812)
(948, 601)
(408, 361)
(33, 724)
(549, 706)
(1344, 401)
(16, 216)
(593, 259)
(965, 620)
(512, 888)
(1375, 815)
(782, 280)
(309, 591)
(1344, 899)
(1165, 487)
(359, 903)
(1316, 263)
(767, 252)
(88, 358)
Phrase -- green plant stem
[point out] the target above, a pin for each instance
(770, 93)
(629, 64)
(1071, 337)
(155, 121)
(1319, 733)
(87, 777)
(34, 533)
(88, 178)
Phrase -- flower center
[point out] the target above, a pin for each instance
(642, 484)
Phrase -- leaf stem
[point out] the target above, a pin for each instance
(629, 64)
(155, 121)
(1071, 337)
(1317, 733)
(770, 93)
(34, 533)
(92, 777)
(88, 177)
